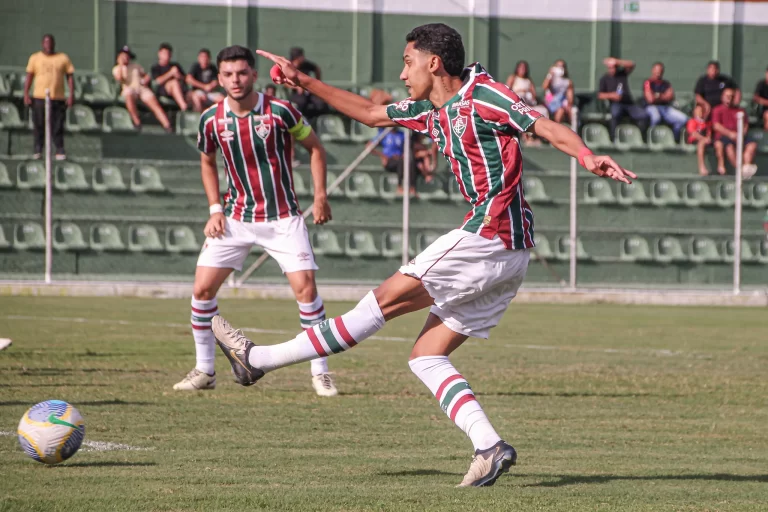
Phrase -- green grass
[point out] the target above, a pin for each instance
(610, 408)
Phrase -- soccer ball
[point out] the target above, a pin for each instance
(51, 431)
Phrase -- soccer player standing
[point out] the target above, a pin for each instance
(467, 277)
(253, 132)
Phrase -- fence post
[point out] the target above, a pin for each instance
(48, 199)
(737, 204)
(573, 200)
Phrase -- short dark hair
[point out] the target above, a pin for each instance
(714, 63)
(235, 52)
(441, 40)
(296, 52)
(659, 63)
(166, 46)
(45, 36)
(205, 51)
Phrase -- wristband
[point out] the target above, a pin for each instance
(215, 208)
(585, 151)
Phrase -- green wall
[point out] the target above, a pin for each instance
(367, 47)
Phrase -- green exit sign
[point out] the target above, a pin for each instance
(632, 6)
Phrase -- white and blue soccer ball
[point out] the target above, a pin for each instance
(51, 431)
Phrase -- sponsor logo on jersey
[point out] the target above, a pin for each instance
(404, 105)
(521, 107)
(435, 133)
(225, 120)
(303, 256)
(459, 104)
(486, 220)
(259, 119)
(459, 125)
(227, 135)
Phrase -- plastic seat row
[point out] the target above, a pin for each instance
(90, 87)
(697, 249)
(67, 236)
(694, 193)
(333, 128)
(71, 176)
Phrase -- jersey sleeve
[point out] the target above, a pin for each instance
(411, 114)
(294, 122)
(206, 140)
(497, 104)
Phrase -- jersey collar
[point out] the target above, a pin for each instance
(256, 108)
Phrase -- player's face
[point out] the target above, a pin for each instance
(237, 78)
(418, 72)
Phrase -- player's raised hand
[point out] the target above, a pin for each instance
(606, 167)
(321, 211)
(284, 72)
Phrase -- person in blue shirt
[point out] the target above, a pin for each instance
(390, 151)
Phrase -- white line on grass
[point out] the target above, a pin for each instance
(97, 446)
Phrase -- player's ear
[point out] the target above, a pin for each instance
(434, 63)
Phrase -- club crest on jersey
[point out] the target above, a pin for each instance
(459, 125)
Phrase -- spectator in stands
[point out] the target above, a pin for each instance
(659, 96)
(725, 124)
(309, 105)
(391, 155)
(614, 87)
(521, 84)
(699, 132)
(169, 77)
(135, 86)
(425, 154)
(48, 68)
(270, 90)
(204, 82)
(558, 92)
(710, 86)
(761, 99)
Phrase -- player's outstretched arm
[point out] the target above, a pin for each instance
(349, 104)
(571, 144)
(321, 210)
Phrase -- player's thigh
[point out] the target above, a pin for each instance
(401, 294)
(287, 241)
(303, 285)
(208, 280)
(228, 251)
(436, 339)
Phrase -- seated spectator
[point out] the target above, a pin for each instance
(761, 98)
(135, 86)
(169, 77)
(724, 124)
(710, 86)
(558, 92)
(391, 155)
(425, 155)
(270, 90)
(699, 132)
(659, 96)
(521, 84)
(614, 87)
(204, 82)
(308, 104)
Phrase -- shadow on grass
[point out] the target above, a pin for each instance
(579, 394)
(104, 464)
(418, 472)
(83, 403)
(60, 385)
(563, 480)
(64, 371)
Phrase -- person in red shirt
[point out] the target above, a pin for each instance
(724, 124)
(699, 132)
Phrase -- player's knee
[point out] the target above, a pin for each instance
(203, 292)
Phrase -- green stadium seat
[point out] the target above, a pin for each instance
(684, 101)
(632, 194)
(70, 176)
(299, 186)
(97, 88)
(629, 138)
(759, 136)
(704, 250)
(329, 179)
(5, 87)
(67, 236)
(117, 119)
(684, 146)
(729, 254)
(592, 109)
(662, 138)
(144, 238)
(725, 194)
(697, 193)
(9, 117)
(326, 243)
(5, 177)
(761, 256)
(363, 133)
(596, 136)
(360, 185)
(392, 245)
(435, 190)
(388, 186)
(757, 195)
(107, 178)
(542, 250)
(563, 249)
(28, 236)
(80, 118)
(635, 249)
(16, 83)
(425, 239)
(181, 239)
(105, 237)
(668, 249)
(598, 191)
(664, 193)
(360, 244)
(4, 243)
(331, 128)
(146, 178)
(533, 190)
(30, 175)
(187, 123)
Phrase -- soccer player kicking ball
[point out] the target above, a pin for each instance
(253, 132)
(468, 276)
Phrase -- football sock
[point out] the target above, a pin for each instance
(311, 314)
(456, 399)
(326, 338)
(205, 342)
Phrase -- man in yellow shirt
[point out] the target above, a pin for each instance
(48, 69)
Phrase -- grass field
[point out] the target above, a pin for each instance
(610, 408)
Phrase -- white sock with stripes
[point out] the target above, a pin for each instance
(326, 338)
(205, 342)
(456, 399)
(311, 314)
